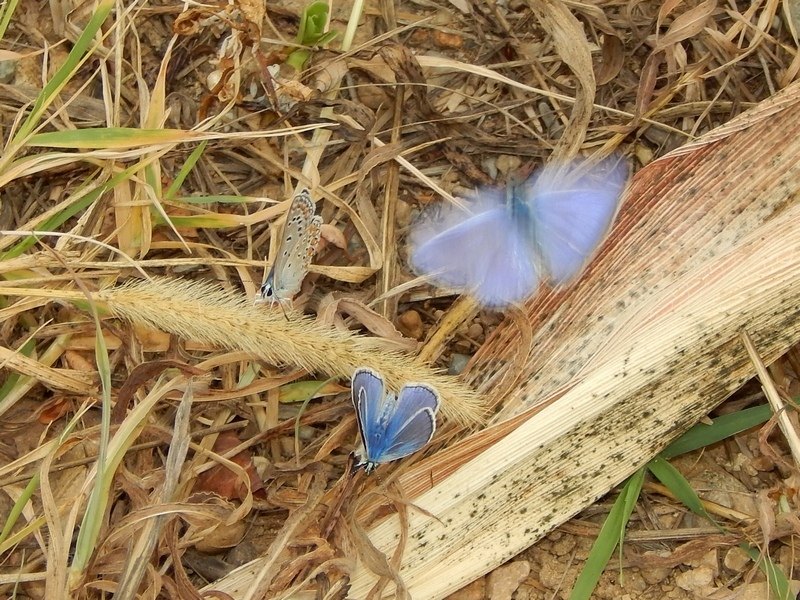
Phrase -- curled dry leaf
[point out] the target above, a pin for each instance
(53, 409)
(222, 537)
(613, 58)
(288, 92)
(188, 22)
(253, 12)
(685, 26)
(377, 324)
(333, 235)
(239, 29)
(328, 74)
(209, 516)
(221, 480)
(572, 46)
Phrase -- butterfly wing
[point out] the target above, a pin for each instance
(298, 244)
(485, 254)
(369, 399)
(412, 424)
(570, 220)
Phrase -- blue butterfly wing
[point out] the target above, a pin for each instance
(372, 408)
(412, 424)
(485, 254)
(569, 221)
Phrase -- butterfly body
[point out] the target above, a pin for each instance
(544, 230)
(391, 427)
(298, 244)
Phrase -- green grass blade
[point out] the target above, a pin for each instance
(7, 10)
(33, 485)
(721, 428)
(679, 486)
(778, 583)
(94, 516)
(76, 57)
(16, 510)
(611, 535)
(187, 167)
(111, 138)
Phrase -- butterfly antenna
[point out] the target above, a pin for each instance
(283, 310)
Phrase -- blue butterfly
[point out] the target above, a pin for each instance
(391, 427)
(544, 230)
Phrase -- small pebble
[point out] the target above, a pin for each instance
(655, 575)
(458, 363)
(736, 560)
(410, 324)
(475, 332)
(504, 581)
(564, 546)
(695, 580)
(8, 69)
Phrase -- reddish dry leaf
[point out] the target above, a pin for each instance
(139, 376)
(613, 59)
(53, 409)
(224, 482)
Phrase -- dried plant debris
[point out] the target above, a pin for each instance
(159, 430)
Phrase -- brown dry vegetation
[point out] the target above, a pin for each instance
(206, 457)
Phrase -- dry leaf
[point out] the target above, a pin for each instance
(220, 480)
(376, 323)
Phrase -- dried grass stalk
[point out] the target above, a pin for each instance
(707, 246)
(205, 312)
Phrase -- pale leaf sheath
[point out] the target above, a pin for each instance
(707, 244)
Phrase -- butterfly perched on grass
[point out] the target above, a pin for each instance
(297, 247)
(544, 230)
(391, 427)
